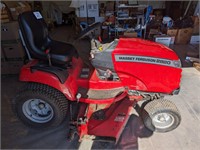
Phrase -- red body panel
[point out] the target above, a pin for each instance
(145, 76)
(69, 88)
(95, 83)
(142, 47)
(116, 119)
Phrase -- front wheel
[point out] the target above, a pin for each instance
(161, 115)
(40, 106)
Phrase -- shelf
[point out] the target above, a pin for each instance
(127, 13)
(134, 6)
(127, 18)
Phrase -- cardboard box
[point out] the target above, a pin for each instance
(152, 33)
(3, 11)
(11, 67)
(130, 34)
(13, 49)
(195, 39)
(5, 20)
(9, 30)
(172, 33)
(163, 39)
(183, 36)
(196, 24)
(4, 16)
(197, 66)
(17, 8)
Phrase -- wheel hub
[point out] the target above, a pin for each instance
(37, 110)
(41, 105)
(163, 120)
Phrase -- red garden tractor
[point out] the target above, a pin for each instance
(98, 98)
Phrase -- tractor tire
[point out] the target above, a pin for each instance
(161, 115)
(40, 106)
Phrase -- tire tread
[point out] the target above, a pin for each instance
(56, 96)
(159, 105)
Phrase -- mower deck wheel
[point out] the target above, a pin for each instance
(161, 115)
(40, 106)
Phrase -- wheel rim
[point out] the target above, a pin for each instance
(37, 110)
(163, 120)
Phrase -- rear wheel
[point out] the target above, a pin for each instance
(40, 106)
(161, 115)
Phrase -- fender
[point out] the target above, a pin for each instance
(69, 88)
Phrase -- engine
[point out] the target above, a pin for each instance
(102, 59)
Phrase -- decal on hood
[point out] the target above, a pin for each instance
(143, 59)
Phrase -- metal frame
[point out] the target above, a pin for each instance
(23, 42)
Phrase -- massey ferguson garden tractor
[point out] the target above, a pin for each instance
(98, 98)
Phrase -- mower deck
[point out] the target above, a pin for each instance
(108, 122)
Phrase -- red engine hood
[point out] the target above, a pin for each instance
(139, 47)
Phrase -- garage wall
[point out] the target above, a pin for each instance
(154, 4)
(63, 5)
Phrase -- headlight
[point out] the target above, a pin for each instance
(177, 63)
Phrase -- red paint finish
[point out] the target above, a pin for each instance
(95, 83)
(69, 88)
(117, 115)
(140, 47)
(116, 118)
(143, 76)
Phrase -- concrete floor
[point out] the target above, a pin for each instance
(187, 135)
(14, 135)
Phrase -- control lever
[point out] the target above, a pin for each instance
(93, 38)
(100, 40)
(48, 56)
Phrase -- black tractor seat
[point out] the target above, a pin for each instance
(61, 53)
(34, 33)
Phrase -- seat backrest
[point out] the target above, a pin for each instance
(35, 33)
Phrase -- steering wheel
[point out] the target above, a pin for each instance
(88, 30)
